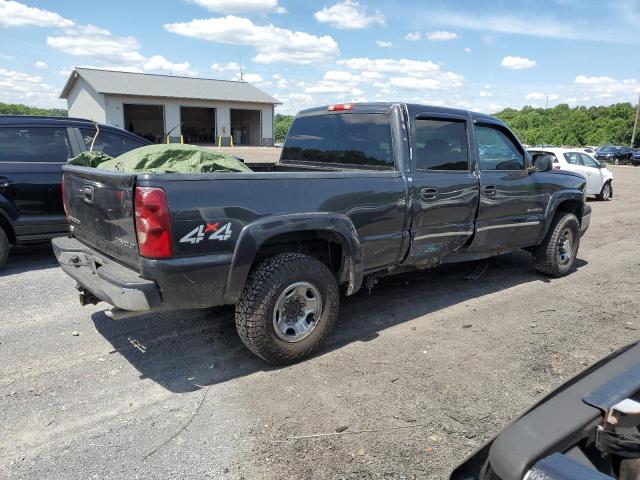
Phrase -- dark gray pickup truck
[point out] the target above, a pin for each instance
(361, 191)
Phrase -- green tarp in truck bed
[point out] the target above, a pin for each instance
(163, 159)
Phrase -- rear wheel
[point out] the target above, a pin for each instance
(606, 193)
(4, 247)
(556, 255)
(287, 308)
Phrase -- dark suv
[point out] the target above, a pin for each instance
(33, 150)
(615, 155)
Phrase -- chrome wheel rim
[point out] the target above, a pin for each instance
(565, 246)
(297, 312)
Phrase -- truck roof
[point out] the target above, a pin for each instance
(383, 107)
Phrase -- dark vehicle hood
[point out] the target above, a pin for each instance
(474, 467)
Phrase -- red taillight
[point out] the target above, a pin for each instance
(340, 107)
(153, 225)
(64, 199)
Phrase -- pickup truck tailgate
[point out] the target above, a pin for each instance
(100, 210)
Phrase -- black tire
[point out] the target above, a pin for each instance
(267, 286)
(4, 247)
(606, 193)
(553, 257)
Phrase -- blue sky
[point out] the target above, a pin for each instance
(482, 55)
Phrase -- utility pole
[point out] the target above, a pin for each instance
(635, 124)
(546, 105)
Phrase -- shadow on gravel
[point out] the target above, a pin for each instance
(184, 351)
(28, 258)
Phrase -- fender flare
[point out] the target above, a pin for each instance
(255, 234)
(556, 199)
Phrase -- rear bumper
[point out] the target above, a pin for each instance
(110, 281)
(586, 219)
(174, 284)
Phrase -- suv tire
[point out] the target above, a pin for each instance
(288, 308)
(556, 254)
(4, 247)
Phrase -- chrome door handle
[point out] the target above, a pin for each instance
(429, 193)
(489, 191)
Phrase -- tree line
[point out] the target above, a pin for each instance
(19, 109)
(578, 126)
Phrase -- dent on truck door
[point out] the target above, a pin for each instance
(444, 189)
(512, 203)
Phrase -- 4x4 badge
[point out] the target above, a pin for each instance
(218, 233)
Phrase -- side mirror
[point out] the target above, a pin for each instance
(543, 163)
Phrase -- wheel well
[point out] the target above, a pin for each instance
(572, 206)
(8, 229)
(326, 246)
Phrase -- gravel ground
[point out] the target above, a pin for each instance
(417, 374)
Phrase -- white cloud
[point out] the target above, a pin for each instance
(442, 35)
(413, 36)
(340, 76)
(40, 65)
(383, 44)
(160, 64)
(20, 87)
(517, 63)
(594, 81)
(541, 96)
(484, 93)
(545, 26)
(389, 65)
(97, 43)
(607, 87)
(467, 50)
(240, 6)
(349, 15)
(229, 67)
(442, 81)
(273, 44)
(15, 14)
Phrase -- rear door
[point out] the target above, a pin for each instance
(512, 205)
(444, 187)
(31, 160)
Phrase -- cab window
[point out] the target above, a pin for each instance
(496, 150)
(440, 145)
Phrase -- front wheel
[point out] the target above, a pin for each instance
(606, 193)
(4, 247)
(556, 255)
(287, 308)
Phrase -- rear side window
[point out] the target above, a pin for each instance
(110, 143)
(440, 145)
(573, 158)
(341, 139)
(497, 151)
(34, 144)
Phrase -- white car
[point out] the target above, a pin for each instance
(599, 178)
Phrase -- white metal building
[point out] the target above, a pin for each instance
(201, 110)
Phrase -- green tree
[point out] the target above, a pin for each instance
(20, 109)
(283, 122)
(579, 126)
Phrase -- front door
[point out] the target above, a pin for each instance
(444, 187)
(511, 204)
(595, 179)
